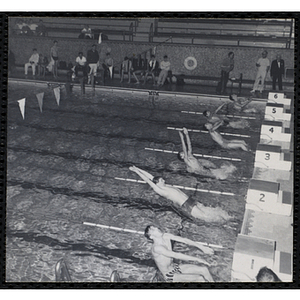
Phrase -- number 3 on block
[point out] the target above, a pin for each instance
(267, 156)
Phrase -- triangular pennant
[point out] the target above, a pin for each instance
(57, 94)
(154, 50)
(22, 107)
(110, 71)
(40, 98)
(100, 38)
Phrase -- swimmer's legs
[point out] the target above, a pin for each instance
(199, 273)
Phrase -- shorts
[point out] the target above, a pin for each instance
(55, 58)
(188, 205)
(170, 275)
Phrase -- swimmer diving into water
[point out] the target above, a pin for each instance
(240, 103)
(187, 204)
(163, 256)
(226, 144)
(201, 166)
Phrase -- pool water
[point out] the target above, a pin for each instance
(61, 169)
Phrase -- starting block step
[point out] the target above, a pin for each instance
(270, 156)
(250, 255)
(276, 112)
(283, 266)
(273, 130)
(266, 196)
(278, 98)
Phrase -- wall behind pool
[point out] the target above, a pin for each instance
(209, 57)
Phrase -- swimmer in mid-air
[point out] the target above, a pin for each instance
(187, 204)
(240, 103)
(226, 144)
(213, 118)
(163, 256)
(201, 166)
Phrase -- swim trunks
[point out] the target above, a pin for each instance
(170, 275)
(188, 205)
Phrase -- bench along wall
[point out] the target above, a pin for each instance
(208, 58)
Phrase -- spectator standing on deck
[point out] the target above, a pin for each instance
(263, 65)
(80, 65)
(108, 65)
(165, 67)
(54, 56)
(33, 62)
(276, 72)
(152, 69)
(92, 60)
(226, 67)
(126, 68)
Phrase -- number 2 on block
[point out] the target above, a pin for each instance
(262, 197)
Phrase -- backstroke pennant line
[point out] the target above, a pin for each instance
(181, 187)
(230, 116)
(199, 155)
(203, 131)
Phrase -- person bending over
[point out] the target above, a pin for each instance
(240, 103)
(201, 166)
(187, 205)
(226, 144)
(163, 256)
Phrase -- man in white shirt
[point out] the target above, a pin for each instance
(81, 64)
(165, 66)
(33, 62)
(263, 65)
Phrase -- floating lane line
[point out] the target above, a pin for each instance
(181, 187)
(199, 155)
(229, 116)
(204, 131)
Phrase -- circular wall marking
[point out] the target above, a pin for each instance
(190, 63)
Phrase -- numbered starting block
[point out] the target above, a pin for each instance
(283, 265)
(279, 99)
(276, 112)
(274, 131)
(266, 196)
(271, 157)
(250, 255)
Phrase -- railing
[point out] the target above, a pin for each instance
(271, 31)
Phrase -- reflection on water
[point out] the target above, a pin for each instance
(62, 166)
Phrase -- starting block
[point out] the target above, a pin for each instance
(271, 157)
(283, 266)
(266, 196)
(250, 255)
(279, 99)
(276, 112)
(273, 130)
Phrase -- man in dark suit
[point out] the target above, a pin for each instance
(277, 70)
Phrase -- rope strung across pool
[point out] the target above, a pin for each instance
(139, 232)
(229, 116)
(204, 131)
(181, 187)
(199, 155)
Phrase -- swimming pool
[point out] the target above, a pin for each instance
(62, 166)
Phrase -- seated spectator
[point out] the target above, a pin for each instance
(81, 65)
(152, 69)
(266, 275)
(126, 68)
(43, 63)
(26, 28)
(41, 29)
(32, 26)
(11, 62)
(19, 26)
(86, 32)
(165, 66)
(33, 62)
(139, 68)
(108, 66)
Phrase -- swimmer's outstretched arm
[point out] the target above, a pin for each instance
(169, 253)
(216, 126)
(189, 144)
(180, 239)
(183, 144)
(147, 177)
(247, 102)
(220, 107)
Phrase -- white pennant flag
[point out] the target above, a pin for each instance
(40, 98)
(154, 50)
(22, 107)
(100, 38)
(57, 94)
